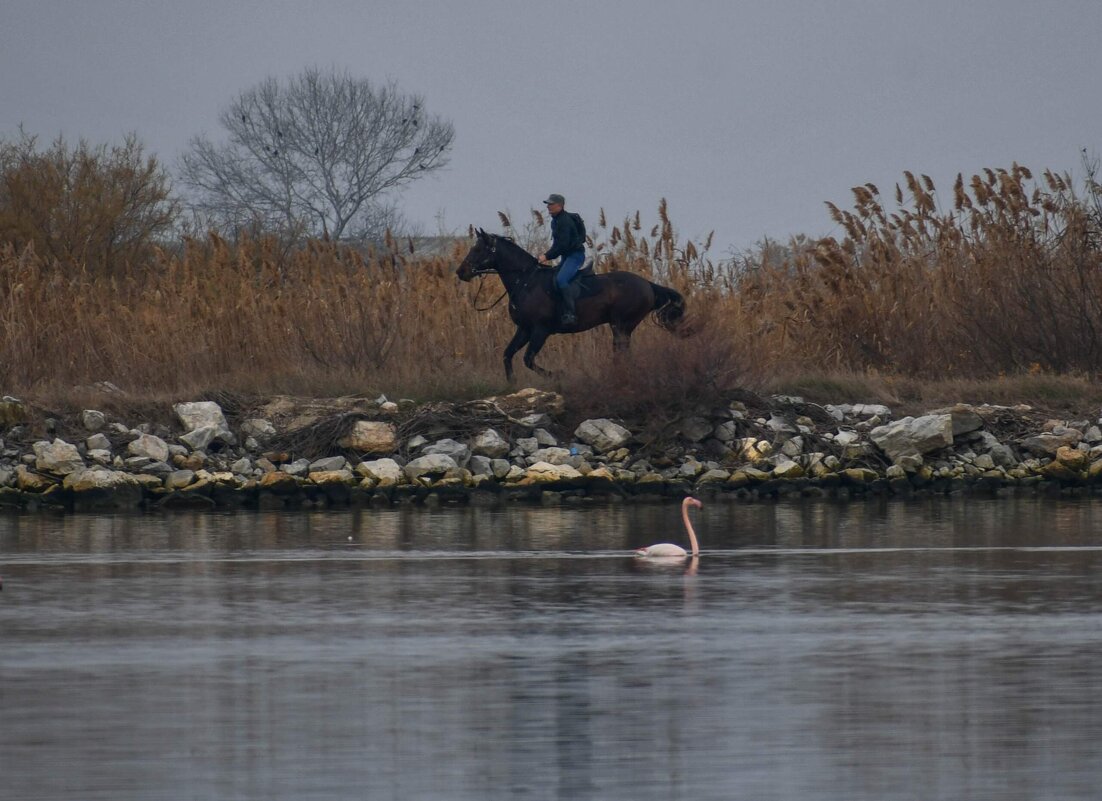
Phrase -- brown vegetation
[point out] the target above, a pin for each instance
(998, 298)
(96, 207)
(1007, 281)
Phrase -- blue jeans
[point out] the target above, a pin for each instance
(569, 268)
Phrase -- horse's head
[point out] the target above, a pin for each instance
(481, 259)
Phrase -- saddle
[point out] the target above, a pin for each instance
(586, 281)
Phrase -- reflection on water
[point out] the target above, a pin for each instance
(936, 649)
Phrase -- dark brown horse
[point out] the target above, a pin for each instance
(619, 299)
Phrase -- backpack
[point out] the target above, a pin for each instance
(578, 221)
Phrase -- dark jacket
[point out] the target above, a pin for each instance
(565, 236)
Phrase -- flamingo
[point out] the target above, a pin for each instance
(669, 549)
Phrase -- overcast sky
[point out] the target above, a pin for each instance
(747, 116)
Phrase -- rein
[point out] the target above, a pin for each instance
(481, 271)
(479, 293)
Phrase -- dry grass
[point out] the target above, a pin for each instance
(1008, 281)
(998, 299)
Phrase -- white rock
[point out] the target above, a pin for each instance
(603, 434)
(258, 428)
(203, 424)
(457, 451)
(386, 471)
(913, 436)
(58, 457)
(690, 469)
(480, 465)
(97, 478)
(299, 467)
(984, 462)
(93, 420)
(490, 444)
(714, 476)
(543, 471)
(845, 438)
(178, 479)
(201, 438)
(429, 465)
(780, 425)
(552, 456)
(100, 456)
(328, 464)
(1048, 444)
(149, 446)
(371, 436)
(1003, 456)
(793, 447)
(725, 432)
(200, 414)
(872, 410)
(786, 468)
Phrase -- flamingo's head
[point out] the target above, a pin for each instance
(691, 501)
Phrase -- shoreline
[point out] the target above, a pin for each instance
(515, 449)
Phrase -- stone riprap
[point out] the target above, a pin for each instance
(532, 453)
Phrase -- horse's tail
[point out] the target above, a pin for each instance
(669, 308)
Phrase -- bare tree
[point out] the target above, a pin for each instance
(319, 155)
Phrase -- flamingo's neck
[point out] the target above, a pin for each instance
(689, 528)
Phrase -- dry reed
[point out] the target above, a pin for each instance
(1006, 282)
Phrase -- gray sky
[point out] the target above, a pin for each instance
(745, 115)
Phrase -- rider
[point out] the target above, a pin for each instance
(567, 242)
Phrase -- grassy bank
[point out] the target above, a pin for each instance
(995, 297)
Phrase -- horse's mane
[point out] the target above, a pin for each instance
(508, 240)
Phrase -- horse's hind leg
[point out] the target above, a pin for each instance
(519, 340)
(539, 336)
(621, 336)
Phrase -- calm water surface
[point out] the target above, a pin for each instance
(929, 650)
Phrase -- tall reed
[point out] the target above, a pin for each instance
(1006, 280)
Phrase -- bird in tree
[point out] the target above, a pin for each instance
(323, 154)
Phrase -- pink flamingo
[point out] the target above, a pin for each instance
(669, 549)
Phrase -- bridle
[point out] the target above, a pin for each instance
(489, 265)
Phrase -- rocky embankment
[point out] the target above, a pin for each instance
(515, 448)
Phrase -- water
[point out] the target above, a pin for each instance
(929, 650)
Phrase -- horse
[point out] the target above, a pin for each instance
(620, 299)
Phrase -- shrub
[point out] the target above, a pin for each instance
(83, 207)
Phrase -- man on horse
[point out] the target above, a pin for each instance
(567, 243)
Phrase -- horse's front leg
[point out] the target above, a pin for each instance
(539, 336)
(519, 340)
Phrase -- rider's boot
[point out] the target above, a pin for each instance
(569, 294)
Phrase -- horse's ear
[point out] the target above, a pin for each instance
(485, 237)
